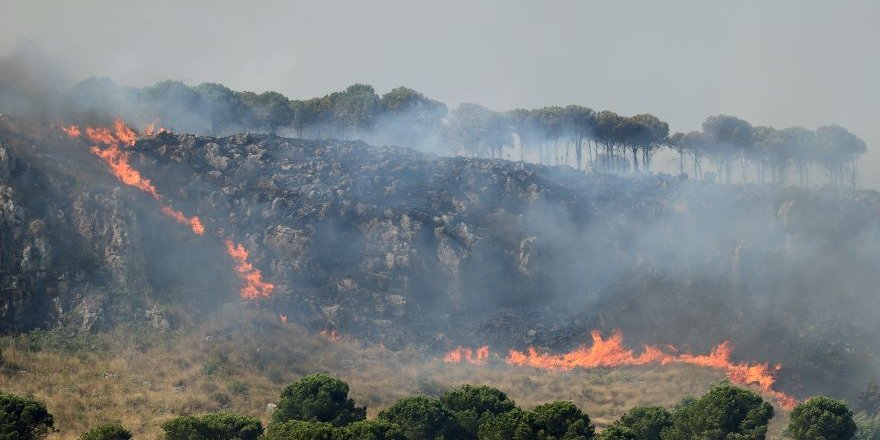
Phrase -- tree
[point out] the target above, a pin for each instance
(822, 418)
(512, 425)
(617, 432)
(725, 412)
(23, 418)
(477, 129)
(355, 109)
(268, 111)
(373, 430)
(580, 125)
(694, 142)
(302, 430)
(318, 398)
(562, 420)
(472, 403)
(645, 422)
(220, 426)
(107, 431)
(648, 134)
(837, 149)
(222, 105)
(728, 137)
(422, 418)
(409, 117)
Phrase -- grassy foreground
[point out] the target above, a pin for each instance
(241, 362)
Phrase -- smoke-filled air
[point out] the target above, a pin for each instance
(407, 221)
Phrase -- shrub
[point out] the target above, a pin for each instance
(422, 418)
(562, 420)
(471, 403)
(107, 431)
(318, 398)
(302, 430)
(724, 412)
(221, 426)
(23, 418)
(618, 432)
(822, 418)
(373, 430)
(511, 425)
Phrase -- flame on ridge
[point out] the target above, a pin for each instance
(254, 286)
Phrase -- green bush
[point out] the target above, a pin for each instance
(562, 420)
(724, 412)
(645, 422)
(373, 430)
(318, 398)
(511, 425)
(221, 426)
(302, 430)
(23, 418)
(822, 418)
(618, 432)
(107, 431)
(472, 403)
(422, 418)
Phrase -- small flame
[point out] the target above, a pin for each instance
(467, 355)
(117, 161)
(254, 286)
(72, 131)
(153, 128)
(194, 222)
(283, 318)
(332, 335)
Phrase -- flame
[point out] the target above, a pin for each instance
(194, 222)
(117, 161)
(610, 352)
(153, 128)
(332, 335)
(124, 134)
(467, 355)
(283, 318)
(254, 286)
(72, 131)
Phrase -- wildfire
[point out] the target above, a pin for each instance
(194, 222)
(153, 128)
(283, 318)
(467, 355)
(611, 352)
(332, 335)
(72, 131)
(254, 286)
(117, 161)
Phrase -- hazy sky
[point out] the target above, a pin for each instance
(779, 63)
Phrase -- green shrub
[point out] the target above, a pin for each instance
(822, 418)
(512, 425)
(646, 422)
(618, 432)
(23, 418)
(221, 426)
(318, 398)
(471, 403)
(302, 430)
(724, 412)
(373, 430)
(562, 420)
(107, 431)
(422, 418)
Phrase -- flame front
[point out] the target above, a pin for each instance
(467, 355)
(254, 286)
(194, 222)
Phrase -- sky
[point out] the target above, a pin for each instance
(778, 63)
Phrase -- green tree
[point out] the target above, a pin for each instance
(725, 412)
(422, 418)
(618, 432)
(355, 109)
(268, 111)
(822, 418)
(373, 430)
(222, 106)
(728, 137)
(221, 426)
(562, 420)
(23, 418)
(318, 398)
(471, 403)
(302, 430)
(512, 425)
(646, 422)
(107, 431)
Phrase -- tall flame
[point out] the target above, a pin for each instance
(254, 286)
(611, 352)
(153, 128)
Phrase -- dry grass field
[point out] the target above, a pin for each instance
(240, 364)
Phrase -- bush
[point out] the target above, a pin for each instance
(422, 418)
(302, 430)
(23, 418)
(471, 403)
(318, 398)
(724, 412)
(107, 431)
(373, 430)
(562, 420)
(618, 432)
(512, 425)
(645, 422)
(822, 418)
(222, 426)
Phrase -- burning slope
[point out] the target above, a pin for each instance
(610, 352)
(117, 161)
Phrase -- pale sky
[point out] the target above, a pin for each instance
(779, 63)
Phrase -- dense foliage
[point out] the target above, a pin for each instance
(23, 418)
(107, 431)
(572, 135)
(822, 418)
(318, 398)
(222, 426)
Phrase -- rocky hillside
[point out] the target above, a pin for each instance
(387, 244)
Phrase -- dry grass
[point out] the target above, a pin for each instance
(241, 364)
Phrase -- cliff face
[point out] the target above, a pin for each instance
(391, 245)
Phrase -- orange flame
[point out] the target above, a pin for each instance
(124, 134)
(194, 222)
(467, 355)
(332, 335)
(72, 131)
(283, 318)
(153, 128)
(117, 161)
(610, 352)
(254, 286)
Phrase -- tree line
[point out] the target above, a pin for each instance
(317, 407)
(571, 135)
